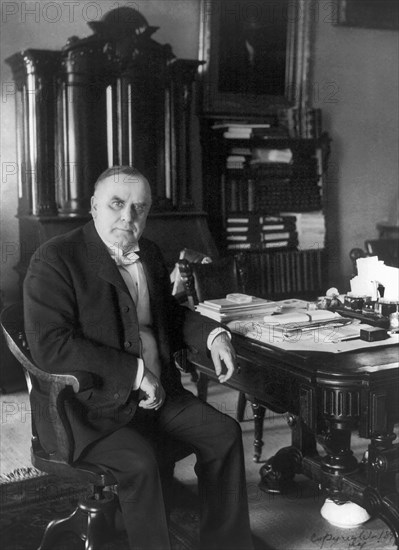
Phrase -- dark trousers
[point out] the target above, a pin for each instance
(184, 424)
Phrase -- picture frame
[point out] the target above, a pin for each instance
(232, 34)
(368, 14)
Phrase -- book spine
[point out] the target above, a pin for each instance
(275, 236)
(239, 246)
(276, 244)
(237, 238)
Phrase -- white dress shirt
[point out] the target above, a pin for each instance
(136, 282)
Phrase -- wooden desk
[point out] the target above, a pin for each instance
(327, 396)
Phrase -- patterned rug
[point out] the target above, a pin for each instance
(29, 504)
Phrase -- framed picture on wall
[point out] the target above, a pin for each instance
(255, 55)
(371, 14)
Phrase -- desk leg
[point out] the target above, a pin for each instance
(339, 459)
(259, 416)
(301, 437)
(380, 496)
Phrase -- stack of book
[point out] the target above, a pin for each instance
(278, 232)
(289, 183)
(235, 162)
(280, 272)
(238, 158)
(246, 231)
(224, 310)
(244, 130)
(275, 194)
(310, 228)
(271, 180)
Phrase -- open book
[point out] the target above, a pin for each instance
(302, 317)
(224, 310)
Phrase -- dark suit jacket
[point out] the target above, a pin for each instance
(79, 316)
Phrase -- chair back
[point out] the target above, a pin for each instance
(12, 324)
(212, 280)
(60, 386)
(387, 250)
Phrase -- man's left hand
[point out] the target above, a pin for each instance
(223, 351)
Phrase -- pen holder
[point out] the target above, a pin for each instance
(384, 308)
(355, 302)
(369, 307)
(328, 302)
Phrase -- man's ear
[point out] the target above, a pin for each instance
(93, 210)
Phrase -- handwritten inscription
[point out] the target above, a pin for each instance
(364, 539)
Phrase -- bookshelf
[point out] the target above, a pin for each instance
(263, 192)
(115, 97)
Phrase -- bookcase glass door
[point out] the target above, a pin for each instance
(114, 97)
(264, 196)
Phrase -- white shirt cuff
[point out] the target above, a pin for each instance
(139, 375)
(215, 332)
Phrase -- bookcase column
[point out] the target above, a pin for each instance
(183, 73)
(33, 72)
(81, 101)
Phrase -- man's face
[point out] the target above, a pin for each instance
(120, 207)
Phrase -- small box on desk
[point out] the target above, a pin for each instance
(373, 334)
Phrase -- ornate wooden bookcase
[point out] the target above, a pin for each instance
(257, 70)
(115, 97)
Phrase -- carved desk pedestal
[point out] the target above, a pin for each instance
(327, 396)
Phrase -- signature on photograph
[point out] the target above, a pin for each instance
(365, 539)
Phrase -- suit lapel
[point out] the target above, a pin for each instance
(151, 268)
(100, 260)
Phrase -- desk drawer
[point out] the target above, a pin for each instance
(267, 384)
(274, 387)
(267, 381)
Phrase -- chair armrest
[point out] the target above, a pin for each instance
(79, 381)
(61, 387)
(187, 278)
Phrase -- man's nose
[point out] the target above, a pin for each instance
(128, 214)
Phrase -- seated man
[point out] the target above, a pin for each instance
(98, 299)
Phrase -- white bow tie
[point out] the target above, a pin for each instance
(122, 259)
(126, 259)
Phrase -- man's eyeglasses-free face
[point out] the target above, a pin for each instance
(139, 208)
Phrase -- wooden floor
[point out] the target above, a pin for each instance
(280, 522)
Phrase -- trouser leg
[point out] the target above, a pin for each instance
(217, 442)
(132, 460)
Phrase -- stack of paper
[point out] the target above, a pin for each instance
(371, 272)
(301, 317)
(295, 323)
(224, 310)
(310, 227)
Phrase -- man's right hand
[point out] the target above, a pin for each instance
(152, 391)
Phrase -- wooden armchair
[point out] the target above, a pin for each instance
(216, 280)
(387, 250)
(93, 521)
